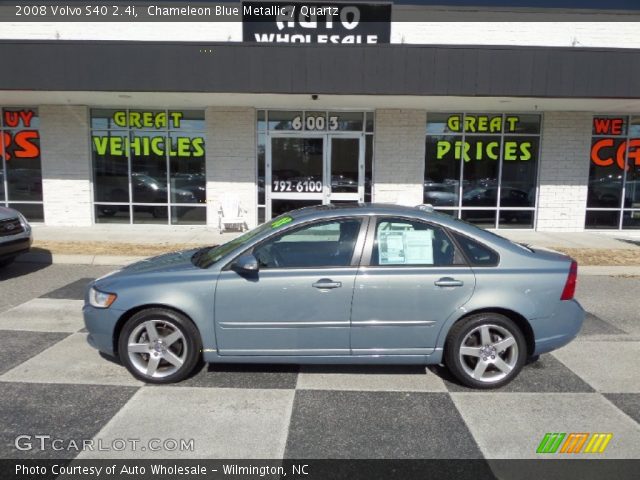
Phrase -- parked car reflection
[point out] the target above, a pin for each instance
(488, 197)
(146, 189)
(441, 194)
(607, 192)
(23, 183)
(191, 182)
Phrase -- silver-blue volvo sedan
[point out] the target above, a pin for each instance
(363, 284)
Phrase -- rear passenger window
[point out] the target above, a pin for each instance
(405, 242)
(478, 254)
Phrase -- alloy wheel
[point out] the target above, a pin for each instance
(488, 353)
(157, 348)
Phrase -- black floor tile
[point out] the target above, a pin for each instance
(66, 412)
(594, 325)
(547, 375)
(629, 403)
(365, 369)
(72, 291)
(17, 346)
(333, 424)
(222, 375)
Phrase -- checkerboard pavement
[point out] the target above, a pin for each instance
(53, 382)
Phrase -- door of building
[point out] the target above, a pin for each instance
(313, 169)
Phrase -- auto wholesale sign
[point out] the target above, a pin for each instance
(316, 23)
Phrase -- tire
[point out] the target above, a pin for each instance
(161, 361)
(532, 359)
(494, 367)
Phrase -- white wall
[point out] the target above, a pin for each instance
(562, 34)
(564, 171)
(566, 34)
(399, 149)
(66, 164)
(231, 160)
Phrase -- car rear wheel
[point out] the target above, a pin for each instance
(485, 350)
(160, 346)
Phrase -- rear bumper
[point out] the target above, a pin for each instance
(558, 329)
(11, 246)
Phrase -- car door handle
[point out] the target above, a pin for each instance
(448, 282)
(326, 283)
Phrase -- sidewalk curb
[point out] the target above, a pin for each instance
(78, 259)
(121, 260)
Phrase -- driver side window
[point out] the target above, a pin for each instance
(325, 244)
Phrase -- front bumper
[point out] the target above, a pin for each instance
(14, 245)
(101, 324)
(558, 329)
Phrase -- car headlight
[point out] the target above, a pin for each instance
(24, 222)
(100, 299)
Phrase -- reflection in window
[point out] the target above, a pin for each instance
(149, 166)
(442, 172)
(477, 253)
(20, 162)
(368, 167)
(483, 167)
(327, 244)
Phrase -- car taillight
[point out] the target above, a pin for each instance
(570, 286)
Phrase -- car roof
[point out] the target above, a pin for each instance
(349, 209)
(346, 209)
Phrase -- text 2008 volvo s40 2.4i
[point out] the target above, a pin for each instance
(367, 284)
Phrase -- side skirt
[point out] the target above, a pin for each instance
(433, 358)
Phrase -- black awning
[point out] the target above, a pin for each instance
(296, 69)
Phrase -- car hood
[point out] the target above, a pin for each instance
(6, 213)
(167, 263)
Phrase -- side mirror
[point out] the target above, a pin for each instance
(246, 264)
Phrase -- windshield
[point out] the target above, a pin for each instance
(208, 258)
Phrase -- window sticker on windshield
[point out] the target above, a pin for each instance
(280, 222)
(411, 247)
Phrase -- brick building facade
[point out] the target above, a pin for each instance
(508, 124)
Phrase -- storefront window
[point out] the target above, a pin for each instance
(483, 167)
(613, 199)
(149, 166)
(20, 167)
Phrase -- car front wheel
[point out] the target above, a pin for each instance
(485, 350)
(160, 346)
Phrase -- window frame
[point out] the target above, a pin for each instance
(620, 210)
(131, 206)
(356, 257)
(371, 239)
(456, 211)
(5, 198)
